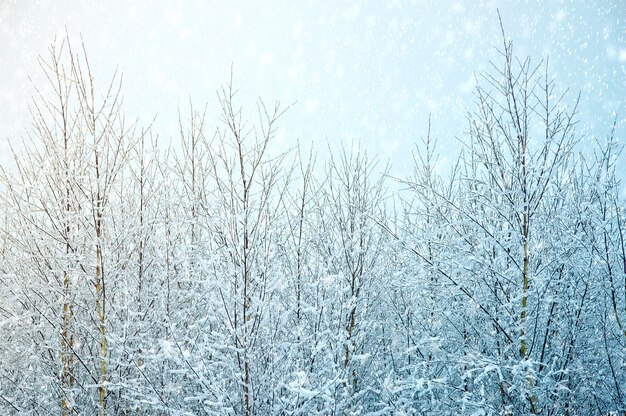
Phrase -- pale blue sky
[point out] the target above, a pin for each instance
(370, 70)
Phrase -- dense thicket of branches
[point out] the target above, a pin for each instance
(220, 276)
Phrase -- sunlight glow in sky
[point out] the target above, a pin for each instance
(365, 71)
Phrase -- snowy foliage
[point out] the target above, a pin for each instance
(219, 276)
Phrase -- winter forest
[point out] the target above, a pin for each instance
(222, 273)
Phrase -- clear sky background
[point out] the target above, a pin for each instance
(368, 71)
